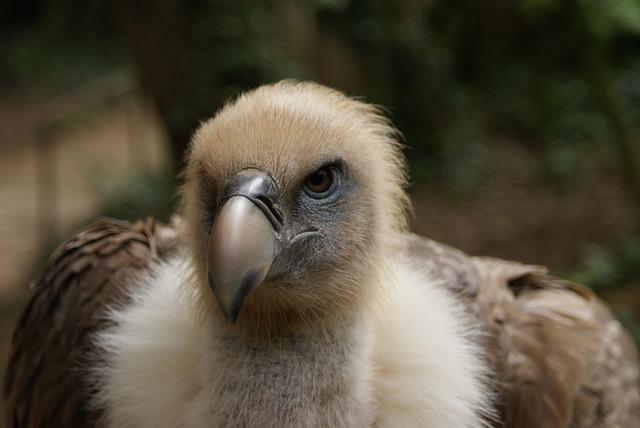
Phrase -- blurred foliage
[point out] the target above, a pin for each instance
(139, 196)
(454, 75)
(607, 267)
(54, 45)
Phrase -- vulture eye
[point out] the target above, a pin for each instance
(319, 183)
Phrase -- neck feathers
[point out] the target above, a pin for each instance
(321, 377)
(403, 358)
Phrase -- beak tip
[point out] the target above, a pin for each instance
(229, 313)
(231, 307)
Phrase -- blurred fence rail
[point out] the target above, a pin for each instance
(61, 158)
(56, 116)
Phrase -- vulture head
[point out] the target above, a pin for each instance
(290, 193)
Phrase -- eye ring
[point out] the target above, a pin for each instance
(320, 183)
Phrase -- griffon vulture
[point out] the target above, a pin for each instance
(289, 294)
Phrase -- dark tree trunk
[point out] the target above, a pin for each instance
(155, 34)
(192, 56)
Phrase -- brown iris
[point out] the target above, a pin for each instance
(319, 181)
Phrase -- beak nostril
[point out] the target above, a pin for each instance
(277, 216)
(260, 189)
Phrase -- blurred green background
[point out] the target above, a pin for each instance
(521, 117)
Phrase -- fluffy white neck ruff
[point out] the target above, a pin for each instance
(408, 363)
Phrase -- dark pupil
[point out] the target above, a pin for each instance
(318, 178)
(319, 181)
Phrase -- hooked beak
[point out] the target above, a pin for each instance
(244, 240)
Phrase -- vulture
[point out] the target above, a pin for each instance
(288, 292)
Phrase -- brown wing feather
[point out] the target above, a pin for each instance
(561, 359)
(51, 344)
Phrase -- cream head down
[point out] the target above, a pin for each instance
(290, 193)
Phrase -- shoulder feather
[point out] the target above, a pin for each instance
(52, 340)
(560, 358)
